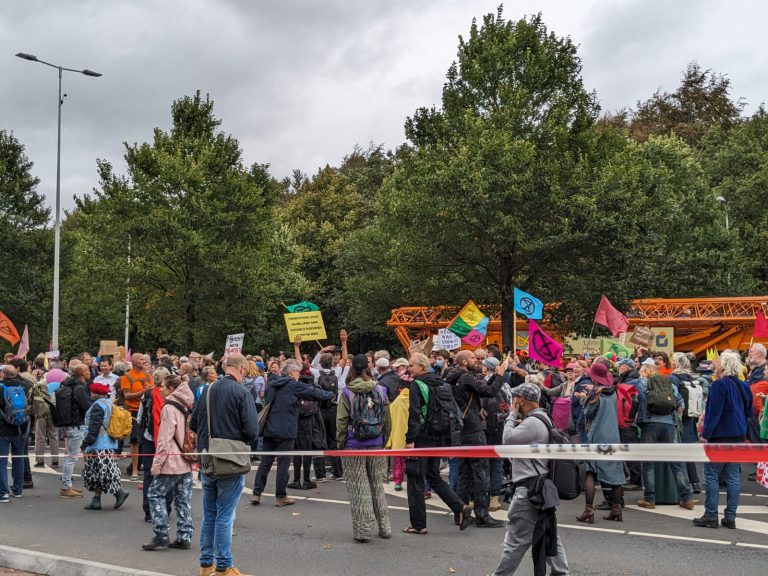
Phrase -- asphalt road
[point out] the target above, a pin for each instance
(314, 537)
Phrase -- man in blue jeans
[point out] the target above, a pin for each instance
(725, 422)
(233, 417)
(660, 429)
(12, 439)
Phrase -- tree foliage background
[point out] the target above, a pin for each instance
(517, 178)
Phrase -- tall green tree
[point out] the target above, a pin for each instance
(25, 245)
(205, 258)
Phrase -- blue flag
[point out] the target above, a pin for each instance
(528, 306)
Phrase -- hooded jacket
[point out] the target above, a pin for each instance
(416, 434)
(81, 400)
(468, 390)
(344, 438)
(398, 412)
(172, 432)
(284, 394)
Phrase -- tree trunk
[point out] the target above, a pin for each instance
(507, 316)
(190, 317)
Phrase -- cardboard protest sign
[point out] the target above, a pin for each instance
(234, 343)
(642, 336)
(446, 340)
(308, 325)
(107, 348)
(421, 346)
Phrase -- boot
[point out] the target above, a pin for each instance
(284, 501)
(588, 516)
(207, 570)
(155, 543)
(231, 571)
(94, 504)
(615, 514)
(120, 498)
(495, 505)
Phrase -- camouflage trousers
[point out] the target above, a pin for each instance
(180, 485)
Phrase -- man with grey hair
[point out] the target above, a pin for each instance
(233, 417)
(281, 427)
(756, 360)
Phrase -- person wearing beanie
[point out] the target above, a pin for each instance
(101, 473)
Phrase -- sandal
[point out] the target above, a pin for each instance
(412, 530)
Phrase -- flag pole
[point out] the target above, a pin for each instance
(514, 331)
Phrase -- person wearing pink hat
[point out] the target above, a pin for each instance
(602, 424)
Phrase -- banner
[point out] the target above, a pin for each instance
(8, 330)
(542, 347)
(303, 307)
(446, 340)
(609, 347)
(234, 343)
(308, 325)
(528, 306)
(611, 318)
(24, 344)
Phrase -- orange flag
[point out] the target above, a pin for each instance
(8, 330)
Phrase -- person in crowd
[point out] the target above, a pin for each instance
(188, 371)
(442, 362)
(526, 424)
(13, 438)
(660, 428)
(233, 417)
(133, 385)
(79, 401)
(661, 359)
(40, 406)
(101, 473)
(108, 377)
(364, 423)
(399, 414)
(474, 481)
(683, 379)
(171, 472)
(400, 368)
(281, 426)
(602, 424)
(583, 383)
(387, 378)
(628, 430)
(756, 360)
(417, 436)
(496, 410)
(725, 421)
(627, 371)
(310, 435)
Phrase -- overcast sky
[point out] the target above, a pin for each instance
(300, 83)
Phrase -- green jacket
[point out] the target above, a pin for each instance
(343, 420)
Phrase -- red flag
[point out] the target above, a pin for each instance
(542, 347)
(8, 330)
(611, 318)
(761, 325)
(24, 344)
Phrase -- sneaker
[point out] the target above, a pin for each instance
(17, 495)
(696, 488)
(55, 464)
(338, 478)
(320, 480)
(4, 499)
(427, 494)
(39, 464)
(688, 504)
(705, 522)
(647, 505)
(70, 493)
(632, 487)
(309, 486)
(398, 487)
(256, 499)
(294, 486)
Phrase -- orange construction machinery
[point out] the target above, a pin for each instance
(699, 324)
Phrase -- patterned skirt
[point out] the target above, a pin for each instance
(101, 472)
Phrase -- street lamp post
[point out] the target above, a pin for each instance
(57, 221)
(724, 202)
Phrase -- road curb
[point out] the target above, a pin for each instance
(50, 564)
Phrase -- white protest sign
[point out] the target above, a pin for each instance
(53, 354)
(234, 343)
(446, 340)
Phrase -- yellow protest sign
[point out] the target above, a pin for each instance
(308, 325)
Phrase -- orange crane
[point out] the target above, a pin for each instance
(699, 323)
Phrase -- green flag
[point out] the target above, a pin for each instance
(608, 347)
(302, 307)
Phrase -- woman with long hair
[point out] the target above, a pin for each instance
(364, 423)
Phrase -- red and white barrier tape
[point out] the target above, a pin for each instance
(624, 452)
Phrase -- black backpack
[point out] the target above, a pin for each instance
(329, 382)
(439, 412)
(567, 475)
(62, 411)
(308, 407)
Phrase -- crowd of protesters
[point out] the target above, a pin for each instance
(181, 406)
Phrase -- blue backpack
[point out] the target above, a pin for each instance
(16, 412)
(366, 413)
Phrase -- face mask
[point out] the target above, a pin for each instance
(438, 363)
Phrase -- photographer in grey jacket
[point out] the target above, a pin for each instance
(524, 517)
